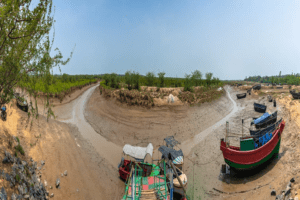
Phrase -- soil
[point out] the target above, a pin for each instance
(135, 125)
(62, 148)
(88, 135)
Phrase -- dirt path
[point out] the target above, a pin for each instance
(107, 150)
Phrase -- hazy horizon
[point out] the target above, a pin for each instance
(232, 39)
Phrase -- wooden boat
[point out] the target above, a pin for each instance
(270, 98)
(148, 169)
(240, 96)
(260, 108)
(151, 187)
(269, 129)
(270, 120)
(296, 95)
(248, 155)
(279, 87)
(256, 87)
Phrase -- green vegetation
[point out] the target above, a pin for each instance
(133, 80)
(26, 47)
(58, 86)
(17, 139)
(291, 79)
(20, 149)
(18, 178)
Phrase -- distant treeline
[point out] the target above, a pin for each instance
(133, 80)
(293, 79)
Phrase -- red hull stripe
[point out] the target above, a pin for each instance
(253, 156)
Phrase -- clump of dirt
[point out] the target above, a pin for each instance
(154, 96)
(200, 95)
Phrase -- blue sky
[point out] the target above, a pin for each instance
(231, 39)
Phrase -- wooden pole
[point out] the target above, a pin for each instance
(242, 127)
(178, 178)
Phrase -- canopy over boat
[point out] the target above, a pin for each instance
(138, 152)
(270, 128)
(176, 156)
(262, 118)
(171, 142)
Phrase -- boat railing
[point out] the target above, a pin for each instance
(161, 187)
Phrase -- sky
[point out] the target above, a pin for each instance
(231, 39)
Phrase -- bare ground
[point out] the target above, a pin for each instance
(62, 148)
(134, 125)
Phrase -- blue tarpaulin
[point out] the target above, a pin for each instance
(263, 118)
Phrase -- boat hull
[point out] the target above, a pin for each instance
(247, 159)
(248, 166)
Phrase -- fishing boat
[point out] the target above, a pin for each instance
(264, 122)
(296, 95)
(147, 169)
(262, 131)
(256, 87)
(279, 87)
(250, 153)
(240, 96)
(270, 98)
(260, 108)
(141, 156)
(152, 187)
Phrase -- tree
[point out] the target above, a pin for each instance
(161, 77)
(128, 80)
(196, 77)
(188, 83)
(279, 74)
(150, 76)
(208, 77)
(25, 47)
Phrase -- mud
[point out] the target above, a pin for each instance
(94, 131)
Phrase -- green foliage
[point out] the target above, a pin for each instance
(20, 149)
(293, 79)
(188, 83)
(132, 79)
(25, 48)
(208, 77)
(150, 76)
(161, 77)
(196, 77)
(18, 178)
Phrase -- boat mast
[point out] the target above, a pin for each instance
(242, 127)
(227, 130)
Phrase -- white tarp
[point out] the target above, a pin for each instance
(171, 99)
(138, 152)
